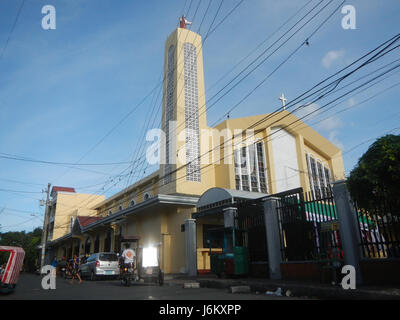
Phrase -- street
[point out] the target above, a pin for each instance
(29, 288)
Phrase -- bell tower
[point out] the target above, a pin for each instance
(184, 110)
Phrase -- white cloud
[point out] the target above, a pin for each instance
(331, 57)
(330, 123)
(352, 102)
(310, 112)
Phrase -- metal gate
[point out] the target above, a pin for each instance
(251, 220)
(308, 226)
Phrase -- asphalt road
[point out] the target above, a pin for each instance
(29, 288)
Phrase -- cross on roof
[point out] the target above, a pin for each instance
(283, 100)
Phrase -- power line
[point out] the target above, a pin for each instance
(23, 158)
(298, 30)
(119, 123)
(210, 106)
(231, 11)
(260, 44)
(19, 210)
(175, 68)
(18, 191)
(21, 182)
(134, 160)
(380, 54)
(18, 224)
(366, 141)
(12, 29)
(319, 97)
(205, 13)
(334, 82)
(281, 64)
(357, 104)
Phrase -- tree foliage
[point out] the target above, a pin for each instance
(28, 241)
(376, 178)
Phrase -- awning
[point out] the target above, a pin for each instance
(220, 196)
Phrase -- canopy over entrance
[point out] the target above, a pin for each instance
(215, 199)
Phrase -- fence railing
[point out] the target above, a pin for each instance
(309, 227)
(379, 231)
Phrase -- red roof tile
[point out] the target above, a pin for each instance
(62, 189)
(85, 221)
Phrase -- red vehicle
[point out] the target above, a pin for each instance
(9, 277)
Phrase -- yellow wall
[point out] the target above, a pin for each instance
(174, 220)
(71, 205)
(307, 140)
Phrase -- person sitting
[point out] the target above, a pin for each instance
(128, 255)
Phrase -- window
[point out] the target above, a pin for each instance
(261, 167)
(319, 177)
(237, 170)
(169, 110)
(250, 168)
(108, 257)
(133, 203)
(191, 113)
(110, 212)
(146, 196)
(120, 208)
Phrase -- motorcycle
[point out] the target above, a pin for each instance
(126, 274)
(63, 272)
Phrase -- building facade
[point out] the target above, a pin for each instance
(256, 155)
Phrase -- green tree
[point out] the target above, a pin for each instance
(376, 178)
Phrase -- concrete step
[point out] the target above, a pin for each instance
(191, 285)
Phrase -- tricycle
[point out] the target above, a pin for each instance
(147, 266)
(9, 276)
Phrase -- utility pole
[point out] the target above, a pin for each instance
(45, 223)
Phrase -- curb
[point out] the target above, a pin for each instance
(334, 293)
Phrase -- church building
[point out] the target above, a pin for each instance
(198, 162)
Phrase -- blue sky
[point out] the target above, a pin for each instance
(63, 90)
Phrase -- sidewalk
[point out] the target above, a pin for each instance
(298, 289)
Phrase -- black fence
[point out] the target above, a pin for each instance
(379, 229)
(309, 227)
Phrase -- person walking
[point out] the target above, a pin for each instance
(62, 265)
(54, 264)
(75, 270)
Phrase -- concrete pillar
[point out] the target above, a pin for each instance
(229, 217)
(348, 227)
(273, 237)
(81, 241)
(190, 247)
(101, 240)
